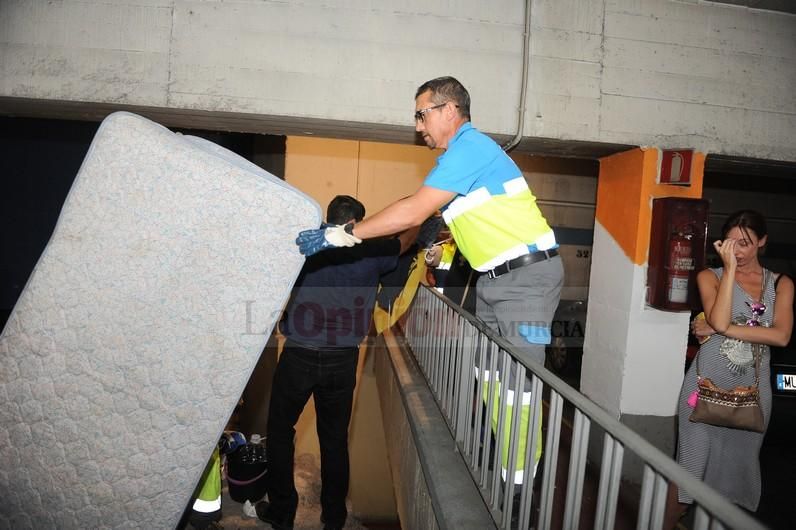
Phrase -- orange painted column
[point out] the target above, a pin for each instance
(634, 355)
(626, 186)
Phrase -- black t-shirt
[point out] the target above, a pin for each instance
(332, 302)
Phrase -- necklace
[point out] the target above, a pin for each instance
(739, 353)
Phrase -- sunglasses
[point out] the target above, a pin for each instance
(420, 115)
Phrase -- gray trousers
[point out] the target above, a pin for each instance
(521, 303)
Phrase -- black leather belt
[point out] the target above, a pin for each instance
(522, 261)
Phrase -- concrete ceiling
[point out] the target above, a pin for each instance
(283, 125)
(729, 169)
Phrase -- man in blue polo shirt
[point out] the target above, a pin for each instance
(490, 211)
(325, 320)
(492, 215)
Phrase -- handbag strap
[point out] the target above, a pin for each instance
(756, 349)
(758, 354)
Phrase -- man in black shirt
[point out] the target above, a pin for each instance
(327, 317)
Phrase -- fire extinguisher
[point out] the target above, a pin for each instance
(681, 263)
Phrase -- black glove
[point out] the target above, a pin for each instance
(429, 231)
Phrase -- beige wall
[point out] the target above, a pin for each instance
(375, 173)
(322, 168)
(566, 190)
(390, 171)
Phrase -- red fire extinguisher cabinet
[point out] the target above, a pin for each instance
(677, 252)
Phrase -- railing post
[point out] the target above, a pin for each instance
(577, 470)
(532, 435)
(613, 482)
(447, 359)
(464, 386)
(514, 442)
(478, 424)
(500, 434)
(550, 460)
(489, 383)
(659, 502)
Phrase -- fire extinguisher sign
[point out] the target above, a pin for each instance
(676, 167)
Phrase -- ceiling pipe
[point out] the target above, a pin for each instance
(526, 58)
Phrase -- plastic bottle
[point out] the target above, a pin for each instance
(255, 450)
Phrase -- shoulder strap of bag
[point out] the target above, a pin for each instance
(757, 350)
(766, 278)
(696, 360)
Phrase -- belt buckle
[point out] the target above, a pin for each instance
(494, 272)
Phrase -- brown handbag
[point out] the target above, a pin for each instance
(738, 408)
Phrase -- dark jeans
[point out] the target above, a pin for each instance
(329, 376)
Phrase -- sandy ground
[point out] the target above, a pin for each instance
(308, 517)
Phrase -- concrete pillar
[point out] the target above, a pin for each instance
(634, 355)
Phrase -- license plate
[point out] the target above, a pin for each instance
(786, 382)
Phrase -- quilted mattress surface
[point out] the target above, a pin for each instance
(139, 328)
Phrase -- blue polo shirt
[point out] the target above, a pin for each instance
(331, 306)
(494, 216)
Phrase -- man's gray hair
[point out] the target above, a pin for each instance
(444, 89)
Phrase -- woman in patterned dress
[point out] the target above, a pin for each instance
(728, 459)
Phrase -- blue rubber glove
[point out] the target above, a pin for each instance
(313, 241)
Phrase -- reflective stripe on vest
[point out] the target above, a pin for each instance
(208, 498)
(491, 229)
(448, 252)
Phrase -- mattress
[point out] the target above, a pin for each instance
(139, 327)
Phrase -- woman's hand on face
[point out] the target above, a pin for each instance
(726, 251)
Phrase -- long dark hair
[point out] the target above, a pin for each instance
(746, 220)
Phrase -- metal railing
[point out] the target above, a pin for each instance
(457, 352)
